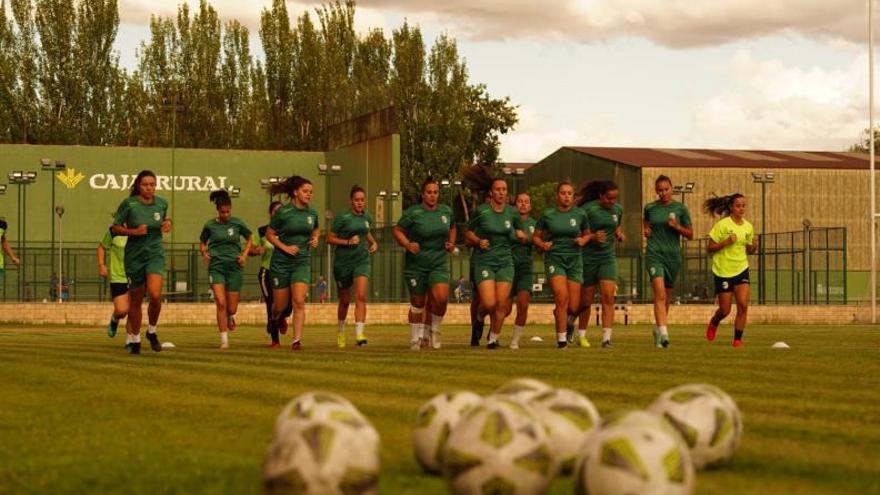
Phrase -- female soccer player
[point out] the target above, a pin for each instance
(142, 218)
(354, 243)
(566, 231)
(220, 245)
(598, 199)
(523, 278)
(263, 248)
(730, 241)
(664, 223)
(6, 249)
(115, 245)
(491, 230)
(293, 231)
(427, 232)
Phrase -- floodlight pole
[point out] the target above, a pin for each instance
(871, 151)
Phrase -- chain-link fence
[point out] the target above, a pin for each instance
(803, 267)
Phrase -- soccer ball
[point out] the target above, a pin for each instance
(569, 418)
(636, 418)
(499, 446)
(634, 458)
(731, 406)
(325, 406)
(321, 456)
(523, 389)
(708, 423)
(434, 421)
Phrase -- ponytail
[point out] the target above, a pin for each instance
(720, 205)
(288, 186)
(221, 198)
(591, 191)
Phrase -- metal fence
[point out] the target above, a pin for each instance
(803, 267)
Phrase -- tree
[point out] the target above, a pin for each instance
(278, 49)
(543, 196)
(371, 73)
(864, 144)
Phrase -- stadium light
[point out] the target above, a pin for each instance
(445, 183)
(763, 178)
(687, 188)
(3, 189)
(22, 179)
(52, 166)
(234, 192)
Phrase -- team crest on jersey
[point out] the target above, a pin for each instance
(572, 222)
(485, 273)
(653, 270)
(230, 232)
(366, 224)
(531, 229)
(412, 282)
(614, 217)
(725, 285)
(551, 269)
(444, 219)
(157, 216)
(275, 281)
(309, 219)
(507, 224)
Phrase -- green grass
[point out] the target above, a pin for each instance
(79, 415)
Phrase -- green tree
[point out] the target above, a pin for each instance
(278, 48)
(306, 88)
(18, 73)
(864, 144)
(409, 92)
(543, 196)
(371, 73)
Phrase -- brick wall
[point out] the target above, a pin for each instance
(389, 314)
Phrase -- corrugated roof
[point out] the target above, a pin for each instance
(677, 157)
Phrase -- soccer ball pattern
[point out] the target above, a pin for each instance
(707, 419)
(634, 458)
(499, 447)
(434, 422)
(569, 418)
(523, 389)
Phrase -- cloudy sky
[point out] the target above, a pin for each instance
(753, 74)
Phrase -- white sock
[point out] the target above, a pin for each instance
(341, 326)
(224, 337)
(582, 332)
(359, 328)
(136, 338)
(416, 331)
(493, 337)
(435, 323)
(422, 330)
(664, 331)
(151, 328)
(606, 334)
(560, 337)
(517, 333)
(128, 338)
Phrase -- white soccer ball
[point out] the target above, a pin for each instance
(499, 446)
(707, 419)
(569, 418)
(434, 422)
(321, 457)
(523, 389)
(325, 406)
(635, 458)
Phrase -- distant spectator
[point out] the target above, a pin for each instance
(322, 289)
(460, 290)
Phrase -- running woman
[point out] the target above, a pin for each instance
(731, 240)
(523, 277)
(427, 232)
(491, 230)
(560, 234)
(664, 223)
(115, 245)
(350, 233)
(263, 248)
(6, 249)
(142, 218)
(294, 232)
(220, 245)
(598, 199)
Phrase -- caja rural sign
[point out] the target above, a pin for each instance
(71, 178)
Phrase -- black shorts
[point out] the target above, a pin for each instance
(726, 284)
(118, 289)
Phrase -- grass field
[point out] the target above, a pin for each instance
(79, 415)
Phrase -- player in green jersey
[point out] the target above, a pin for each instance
(354, 243)
(220, 245)
(427, 232)
(492, 230)
(523, 276)
(598, 200)
(731, 240)
(294, 232)
(115, 246)
(264, 249)
(560, 234)
(142, 218)
(6, 249)
(664, 223)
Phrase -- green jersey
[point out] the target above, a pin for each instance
(561, 227)
(133, 213)
(3, 227)
(606, 220)
(731, 260)
(268, 247)
(499, 228)
(346, 226)
(522, 251)
(224, 239)
(664, 240)
(115, 245)
(430, 229)
(294, 227)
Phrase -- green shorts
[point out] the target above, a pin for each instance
(137, 270)
(596, 270)
(227, 274)
(499, 272)
(299, 273)
(663, 267)
(523, 280)
(571, 267)
(345, 273)
(418, 280)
